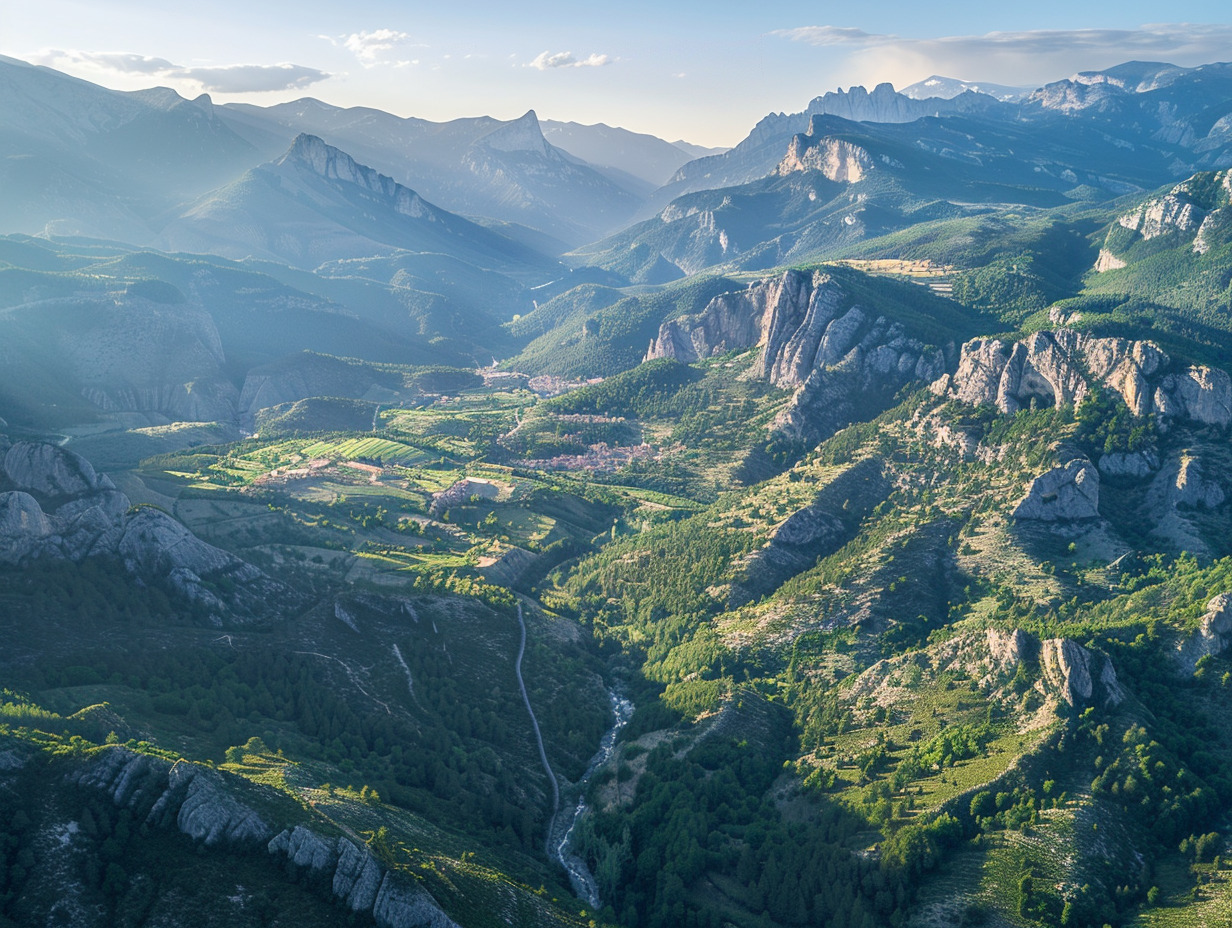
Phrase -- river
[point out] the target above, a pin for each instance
(561, 831)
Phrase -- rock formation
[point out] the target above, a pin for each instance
(1080, 676)
(812, 340)
(54, 504)
(200, 803)
(1213, 636)
(1052, 368)
(837, 160)
(1064, 494)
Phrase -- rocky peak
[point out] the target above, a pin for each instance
(521, 134)
(310, 154)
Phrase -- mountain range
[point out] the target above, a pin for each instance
(518, 522)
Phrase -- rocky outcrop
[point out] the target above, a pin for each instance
(305, 848)
(54, 504)
(801, 322)
(1182, 482)
(401, 904)
(202, 804)
(194, 798)
(1064, 494)
(836, 159)
(1135, 464)
(838, 357)
(357, 879)
(1009, 649)
(1197, 211)
(1054, 368)
(1079, 676)
(1171, 213)
(1213, 636)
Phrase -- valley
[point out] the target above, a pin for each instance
(421, 524)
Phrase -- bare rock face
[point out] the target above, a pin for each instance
(1053, 368)
(800, 322)
(404, 905)
(207, 812)
(836, 159)
(1063, 494)
(357, 880)
(1079, 676)
(1128, 464)
(305, 848)
(1202, 394)
(49, 471)
(836, 356)
(195, 798)
(1009, 649)
(1213, 636)
(1182, 482)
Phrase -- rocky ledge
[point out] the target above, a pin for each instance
(200, 803)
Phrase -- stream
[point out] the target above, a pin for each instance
(561, 830)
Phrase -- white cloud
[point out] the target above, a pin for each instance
(380, 46)
(1018, 57)
(236, 78)
(547, 60)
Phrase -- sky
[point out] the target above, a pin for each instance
(704, 73)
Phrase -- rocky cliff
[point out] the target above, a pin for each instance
(1052, 368)
(1196, 212)
(812, 339)
(54, 504)
(203, 804)
(838, 160)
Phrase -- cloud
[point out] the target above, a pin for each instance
(376, 47)
(1017, 57)
(236, 78)
(253, 78)
(546, 61)
(828, 35)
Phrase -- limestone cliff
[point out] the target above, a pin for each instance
(838, 160)
(1052, 368)
(54, 504)
(812, 340)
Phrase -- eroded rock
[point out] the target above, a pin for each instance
(1064, 494)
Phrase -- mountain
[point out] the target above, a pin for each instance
(948, 87)
(480, 167)
(316, 203)
(762, 149)
(79, 159)
(645, 157)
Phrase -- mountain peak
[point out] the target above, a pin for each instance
(521, 134)
(311, 154)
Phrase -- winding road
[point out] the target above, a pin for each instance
(543, 754)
